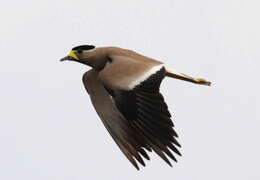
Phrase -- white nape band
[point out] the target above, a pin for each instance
(145, 76)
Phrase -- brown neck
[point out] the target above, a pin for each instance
(96, 59)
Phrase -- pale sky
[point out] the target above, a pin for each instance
(49, 128)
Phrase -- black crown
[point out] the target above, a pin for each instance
(83, 47)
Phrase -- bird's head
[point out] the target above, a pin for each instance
(88, 55)
(78, 53)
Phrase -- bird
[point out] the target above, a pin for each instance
(124, 88)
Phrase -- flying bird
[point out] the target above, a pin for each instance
(124, 88)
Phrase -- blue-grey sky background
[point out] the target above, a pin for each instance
(48, 127)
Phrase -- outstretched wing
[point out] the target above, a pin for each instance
(137, 119)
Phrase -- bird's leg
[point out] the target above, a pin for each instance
(184, 77)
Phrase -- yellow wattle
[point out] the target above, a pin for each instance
(73, 54)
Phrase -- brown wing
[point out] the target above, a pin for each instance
(118, 127)
(138, 119)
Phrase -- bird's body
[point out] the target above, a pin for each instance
(131, 68)
(124, 89)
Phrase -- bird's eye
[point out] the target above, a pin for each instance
(79, 51)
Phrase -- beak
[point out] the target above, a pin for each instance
(67, 58)
(72, 56)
